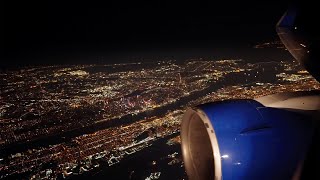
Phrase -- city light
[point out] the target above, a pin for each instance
(66, 121)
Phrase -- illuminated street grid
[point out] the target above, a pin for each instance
(41, 102)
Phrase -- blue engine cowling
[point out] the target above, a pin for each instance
(243, 139)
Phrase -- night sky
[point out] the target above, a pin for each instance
(52, 32)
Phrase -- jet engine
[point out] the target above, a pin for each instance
(265, 138)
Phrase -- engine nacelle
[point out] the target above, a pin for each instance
(266, 138)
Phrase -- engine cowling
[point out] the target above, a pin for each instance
(266, 138)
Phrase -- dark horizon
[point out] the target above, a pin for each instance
(53, 32)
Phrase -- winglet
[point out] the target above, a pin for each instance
(288, 19)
